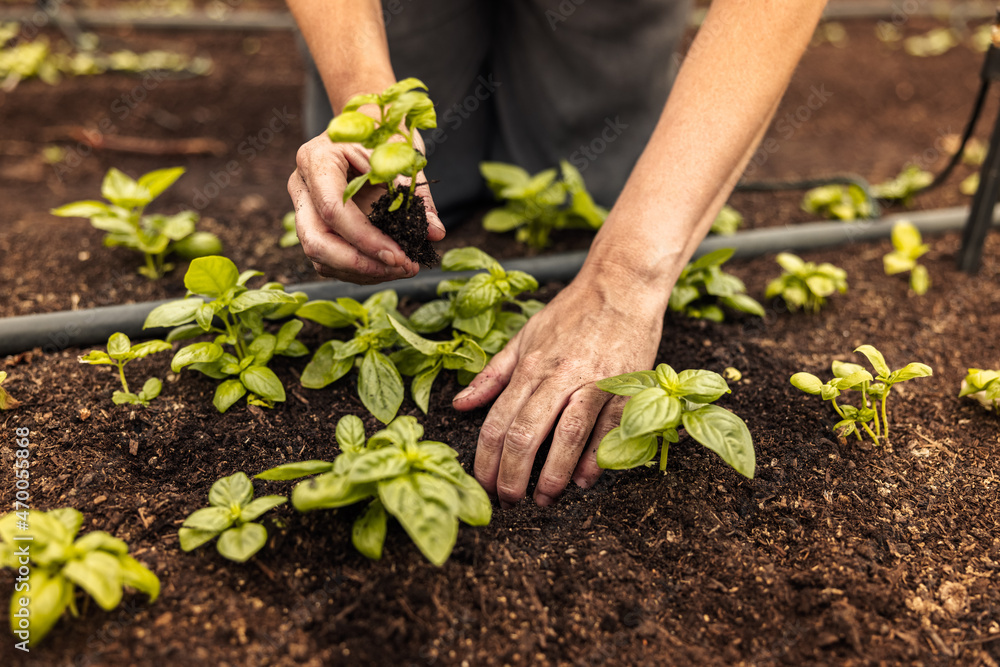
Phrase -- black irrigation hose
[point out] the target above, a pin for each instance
(53, 332)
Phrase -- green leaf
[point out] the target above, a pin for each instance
(253, 298)
(151, 389)
(185, 332)
(234, 489)
(121, 190)
(380, 386)
(700, 386)
(876, 359)
(329, 491)
(139, 577)
(352, 189)
(789, 262)
(258, 506)
(368, 532)
(146, 348)
(521, 282)
(807, 382)
(725, 434)
(261, 349)
(360, 100)
(666, 377)
(372, 466)
(474, 507)
(192, 538)
(330, 314)
(95, 358)
(262, 381)
(467, 259)
(157, 181)
(391, 160)
(895, 262)
(179, 226)
(743, 304)
(432, 316)
(350, 127)
(173, 314)
(125, 398)
(649, 411)
(628, 384)
(400, 432)
(421, 386)
(920, 280)
(502, 220)
(350, 434)
(843, 369)
(83, 209)
(99, 540)
(478, 295)
(227, 393)
(500, 175)
(384, 300)
(100, 574)
(617, 452)
(286, 335)
(326, 366)
(478, 325)
(213, 519)
(912, 370)
(203, 353)
(122, 231)
(47, 596)
(240, 543)
(295, 470)
(428, 347)
(430, 524)
(210, 276)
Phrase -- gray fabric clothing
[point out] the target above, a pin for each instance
(530, 82)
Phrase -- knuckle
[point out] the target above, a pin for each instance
(508, 492)
(574, 429)
(551, 484)
(491, 437)
(519, 440)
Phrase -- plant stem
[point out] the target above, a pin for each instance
(121, 374)
(663, 455)
(885, 419)
(151, 267)
(837, 408)
(872, 435)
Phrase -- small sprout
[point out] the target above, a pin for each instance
(120, 351)
(290, 237)
(156, 236)
(419, 482)
(904, 187)
(805, 284)
(663, 402)
(984, 387)
(909, 247)
(58, 562)
(703, 288)
(537, 205)
(727, 222)
(231, 516)
(838, 202)
(7, 402)
(219, 303)
(874, 390)
(732, 374)
(969, 185)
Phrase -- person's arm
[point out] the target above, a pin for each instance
(347, 41)
(608, 320)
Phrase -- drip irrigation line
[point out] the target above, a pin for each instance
(54, 332)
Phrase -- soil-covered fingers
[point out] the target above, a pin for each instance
(587, 471)
(570, 438)
(331, 255)
(435, 228)
(323, 170)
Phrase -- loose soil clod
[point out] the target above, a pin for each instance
(407, 226)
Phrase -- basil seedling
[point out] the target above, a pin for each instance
(703, 287)
(904, 186)
(983, 386)
(380, 385)
(156, 236)
(909, 247)
(537, 205)
(290, 237)
(45, 545)
(231, 516)
(7, 402)
(727, 222)
(419, 482)
(120, 351)
(663, 401)
(838, 202)
(219, 302)
(805, 284)
(874, 391)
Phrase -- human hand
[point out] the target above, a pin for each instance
(336, 237)
(591, 330)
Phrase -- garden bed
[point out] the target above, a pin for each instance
(836, 553)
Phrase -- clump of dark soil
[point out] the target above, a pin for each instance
(407, 226)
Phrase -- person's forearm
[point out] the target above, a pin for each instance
(348, 44)
(721, 104)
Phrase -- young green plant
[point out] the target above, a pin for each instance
(703, 288)
(875, 391)
(663, 401)
(727, 222)
(537, 205)
(120, 351)
(983, 386)
(219, 303)
(156, 236)
(838, 202)
(805, 284)
(419, 482)
(57, 562)
(909, 247)
(232, 517)
(289, 237)
(403, 107)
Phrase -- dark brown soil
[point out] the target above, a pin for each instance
(407, 226)
(838, 553)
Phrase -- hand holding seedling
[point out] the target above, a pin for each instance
(337, 182)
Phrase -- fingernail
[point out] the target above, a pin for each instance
(387, 257)
(582, 482)
(465, 393)
(543, 500)
(434, 222)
